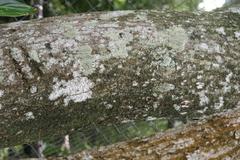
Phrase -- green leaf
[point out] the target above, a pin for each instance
(14, 8)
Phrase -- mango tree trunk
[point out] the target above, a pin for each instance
(62, 73)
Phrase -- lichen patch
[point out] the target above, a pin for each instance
(29, 115)
(165, 87)
(209, 47)
(234, 10)
(220, 104)
(77, 89)
(175, 37)
(203, 99)
(220, 30)
(33, 89)
(115, 14)
(1, 93)
(118, 41)
(237, 35)
(34, 56)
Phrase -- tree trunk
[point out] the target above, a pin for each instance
(62, 73)
(217, 137)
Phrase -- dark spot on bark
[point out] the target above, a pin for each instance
(121, 35)
(12, 30)
(195, 35)
(48, 46)
(50, 54)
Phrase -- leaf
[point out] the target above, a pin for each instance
(14, 8)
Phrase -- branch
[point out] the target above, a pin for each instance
(216, 137)
(62, 73)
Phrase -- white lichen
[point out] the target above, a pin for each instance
(77, 89)
(177, 107)
(200, 85)
(33, 89)
(237, 134)
(134, 83)
(34, 56)
(165, 87)
(237, 35)
(182, 143)
(101, 68)
(177, 123)
(1, 93)
(220, 30)
(226, 87)
(203, 99)
(167, 61)
(87, 156)
(11, 77)
(228, 77)
(17, 54)
(210, 47)
(211, 154)
(29, 115)
(27, 70)
(150, 118)
(220, 104)
(219, 59)
(109, 106)
(185, 104)
(234, 10)
(163, 58)
(203, 46)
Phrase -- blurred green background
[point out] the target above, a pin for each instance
(63, 7)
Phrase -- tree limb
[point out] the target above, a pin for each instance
(216, 137)
(62, 73)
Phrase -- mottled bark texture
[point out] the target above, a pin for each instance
(217, 137)
(62, 73)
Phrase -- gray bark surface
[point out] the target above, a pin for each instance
(62, 73)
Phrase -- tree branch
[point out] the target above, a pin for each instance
(62, 73)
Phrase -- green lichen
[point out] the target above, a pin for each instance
(175, 37)
(34, 56)
(91, 23)
(163, 58)
(87, 61)
(69, 31)
(164, 87)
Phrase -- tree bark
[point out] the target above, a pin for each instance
(217, 137)
(62, 73)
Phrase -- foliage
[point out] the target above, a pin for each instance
(58, 7)
(14, 8)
